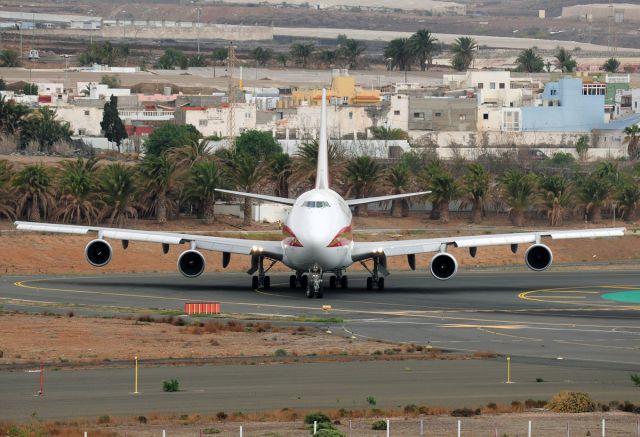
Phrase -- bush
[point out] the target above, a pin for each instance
(221, 415)
(410, 409)
(635, 378)
(171, 385)
(464, 412)
(539, 380)
(318, 416)
(104, 419)
(280, 353)
(371, 401)
(211, 431)
(571, 402)
(379, 425)
(329, 433)
(142, 420)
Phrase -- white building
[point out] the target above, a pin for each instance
(95, 90)
(83, 120)
(214, 120)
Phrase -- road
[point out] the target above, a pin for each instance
(575, 330)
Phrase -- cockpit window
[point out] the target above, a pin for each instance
(316, 204)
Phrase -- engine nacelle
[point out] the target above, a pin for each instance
(191, 263)
(444, 266)
(98, 253)
(538, 257)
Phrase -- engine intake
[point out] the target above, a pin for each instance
(538, 257)
(444, 266)
(98, 253)
(191, 263)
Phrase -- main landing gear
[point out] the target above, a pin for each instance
(314, 284)
(261, 280)
(378, 273)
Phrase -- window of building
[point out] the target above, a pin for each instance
(438, 114)
(203, 123)
(480, 85)
(396, 112)
(511, 104)
(419, 115)
(553, 92)
(501, 85)
(485, 116)
(350, 115)
(462, 117)
(492, 86)
(82, 132)
(399, 97)
(86, 113)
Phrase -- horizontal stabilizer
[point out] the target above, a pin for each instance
(354, 202)
(274, 199)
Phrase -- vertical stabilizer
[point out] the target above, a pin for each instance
(322, 172)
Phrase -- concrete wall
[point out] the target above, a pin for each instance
(442, 114)
(495, 139)
(82, 120)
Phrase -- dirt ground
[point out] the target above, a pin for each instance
(36, 253)
(98, 341)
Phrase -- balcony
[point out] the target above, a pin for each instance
(146, 115)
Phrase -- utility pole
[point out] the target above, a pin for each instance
(198, 13)
(232, 63)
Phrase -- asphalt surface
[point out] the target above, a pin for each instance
(555, 325)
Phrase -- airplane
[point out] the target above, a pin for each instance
(318, 240)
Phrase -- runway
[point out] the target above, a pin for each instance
(588, 316)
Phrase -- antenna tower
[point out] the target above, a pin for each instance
(232, 63)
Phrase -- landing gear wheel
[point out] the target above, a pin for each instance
(380, 283)
(309, 292)
(369, 283)
(344, 282)
(293, 281)
(304, 281)
(266, 282)
(255, 282)
(320, 293)
(332, 282)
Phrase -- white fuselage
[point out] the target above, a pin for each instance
(318, 232)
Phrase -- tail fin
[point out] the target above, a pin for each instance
(322, 172)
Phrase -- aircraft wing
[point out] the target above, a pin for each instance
(367, 250)
(271, 249)
(274, 199)
(354, 202)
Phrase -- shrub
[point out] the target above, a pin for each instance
(171, 385)
(142, 420)
(211, 431)
(463, 412)
(410, 409)
(221, 415)
(635, 378)
(492, 406)
(571, 402)
(379, 425)
(371, 401)
(329, 433)
(104, 419)
(318, 416)
(539, 380)
(280, 353)
(516, 406)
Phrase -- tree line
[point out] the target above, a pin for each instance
(179, 175)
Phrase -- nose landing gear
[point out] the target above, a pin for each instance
(314, 286)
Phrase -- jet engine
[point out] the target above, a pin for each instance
(98, 253)
(191, 263)
(538, 257)
(444, 266)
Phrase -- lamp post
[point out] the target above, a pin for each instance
(198, 13)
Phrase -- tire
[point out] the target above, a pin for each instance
(333, 283)
(309, 292)
(255, 283)
(380, 283)
(369, 283)
(344, 282)
(293, 281)
(266, 282)
(320, 293)
(304, 281)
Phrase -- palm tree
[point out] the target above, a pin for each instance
(611, 65)
(203, 178)
(464, 50)
(245, 173)
(11, 114)
(398, 54)
(42, 127)
(327, 57)
(34, 190)
(261, 56)
(189, 154)
(118, 189)
(161, 182)
(556, 194)
(7, 198)
(302, 52)
(429, 172)
(78, 198)
(632, 140)
(305, 163)
(517, 192)
(564, 61)
(362, 175)
(444, 190)
(281, 168)
(628, 197)
(350, 50)
(387, 133)
(9, 58)
(282, 59)
(594, 191)
(397, 180)
(424, 47)
(476, 186)
(529, 61)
